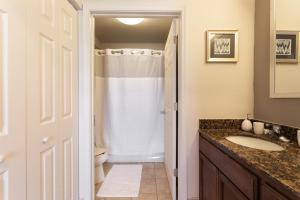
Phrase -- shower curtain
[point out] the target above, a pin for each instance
(133, 123)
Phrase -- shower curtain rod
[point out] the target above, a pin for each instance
(132, 51)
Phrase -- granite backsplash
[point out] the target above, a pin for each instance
(288, 132)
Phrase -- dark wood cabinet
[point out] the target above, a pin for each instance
(214, 185)
(228, 191)
(223, 178)
(243, 180)
(208, 180)
(268, 193)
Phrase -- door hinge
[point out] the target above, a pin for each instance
(175, 172)
(175, 39)
(94, 120)
(176, 106)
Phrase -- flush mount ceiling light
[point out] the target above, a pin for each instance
(131, 21)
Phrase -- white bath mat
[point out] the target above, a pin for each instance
(122, 181)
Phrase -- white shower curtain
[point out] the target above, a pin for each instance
(133, 123)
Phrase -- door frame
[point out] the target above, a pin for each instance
(86, 86)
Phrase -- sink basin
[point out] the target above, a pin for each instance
(255, 143)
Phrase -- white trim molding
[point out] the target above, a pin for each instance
(86, 150)
(273, 93)
(77, 4)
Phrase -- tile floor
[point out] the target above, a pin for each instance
(154, 183)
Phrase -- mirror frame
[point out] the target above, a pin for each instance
(273, 93)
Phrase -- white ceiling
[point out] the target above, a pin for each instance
(154, 30)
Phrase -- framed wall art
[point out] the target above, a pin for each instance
(287, 46)
(222, 46)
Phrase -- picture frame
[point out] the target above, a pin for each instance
(222, 46)
(287, 46)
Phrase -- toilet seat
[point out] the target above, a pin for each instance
(101, 156)
(98, 151)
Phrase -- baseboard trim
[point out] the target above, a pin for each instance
(194, 198)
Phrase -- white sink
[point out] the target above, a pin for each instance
(255, 143)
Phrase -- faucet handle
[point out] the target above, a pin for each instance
(268, 126)
(276, 129)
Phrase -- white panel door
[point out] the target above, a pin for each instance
(52, 100)
(43, 101)
(12, 99)
(68, 116)
(171, 106)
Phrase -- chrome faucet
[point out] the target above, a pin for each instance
(277, 131)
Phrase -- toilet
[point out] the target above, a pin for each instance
(101, 156)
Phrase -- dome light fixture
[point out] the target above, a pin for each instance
(131, 21)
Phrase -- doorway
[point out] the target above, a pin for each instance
(175, 115)
(135, 104)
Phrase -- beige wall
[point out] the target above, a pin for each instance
(97, 43)
(282, 111)
(209, 90)
(157, 46)
(98, 66)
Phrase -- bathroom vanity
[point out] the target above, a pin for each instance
(230, 171)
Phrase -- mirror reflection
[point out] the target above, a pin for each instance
(286, 72)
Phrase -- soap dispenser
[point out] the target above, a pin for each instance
(247, 124)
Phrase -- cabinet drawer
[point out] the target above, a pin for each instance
(242, 178)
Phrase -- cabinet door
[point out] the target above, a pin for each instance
(208, 179)
(268, 193)
(228, 191)
(12, 99)
(237, 174)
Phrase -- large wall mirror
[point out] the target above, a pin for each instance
(284, 49)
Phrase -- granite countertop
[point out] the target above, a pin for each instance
(283, 166)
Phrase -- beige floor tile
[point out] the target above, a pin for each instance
(99, 198)
(160, 173)
(154, 182)
(148, 165)
(159, 165)
(162, 186)
(162, 181)
(118, 198)
(148, 173)
(164, 197)
(148, 188)
(148, 181)
(146, 197)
